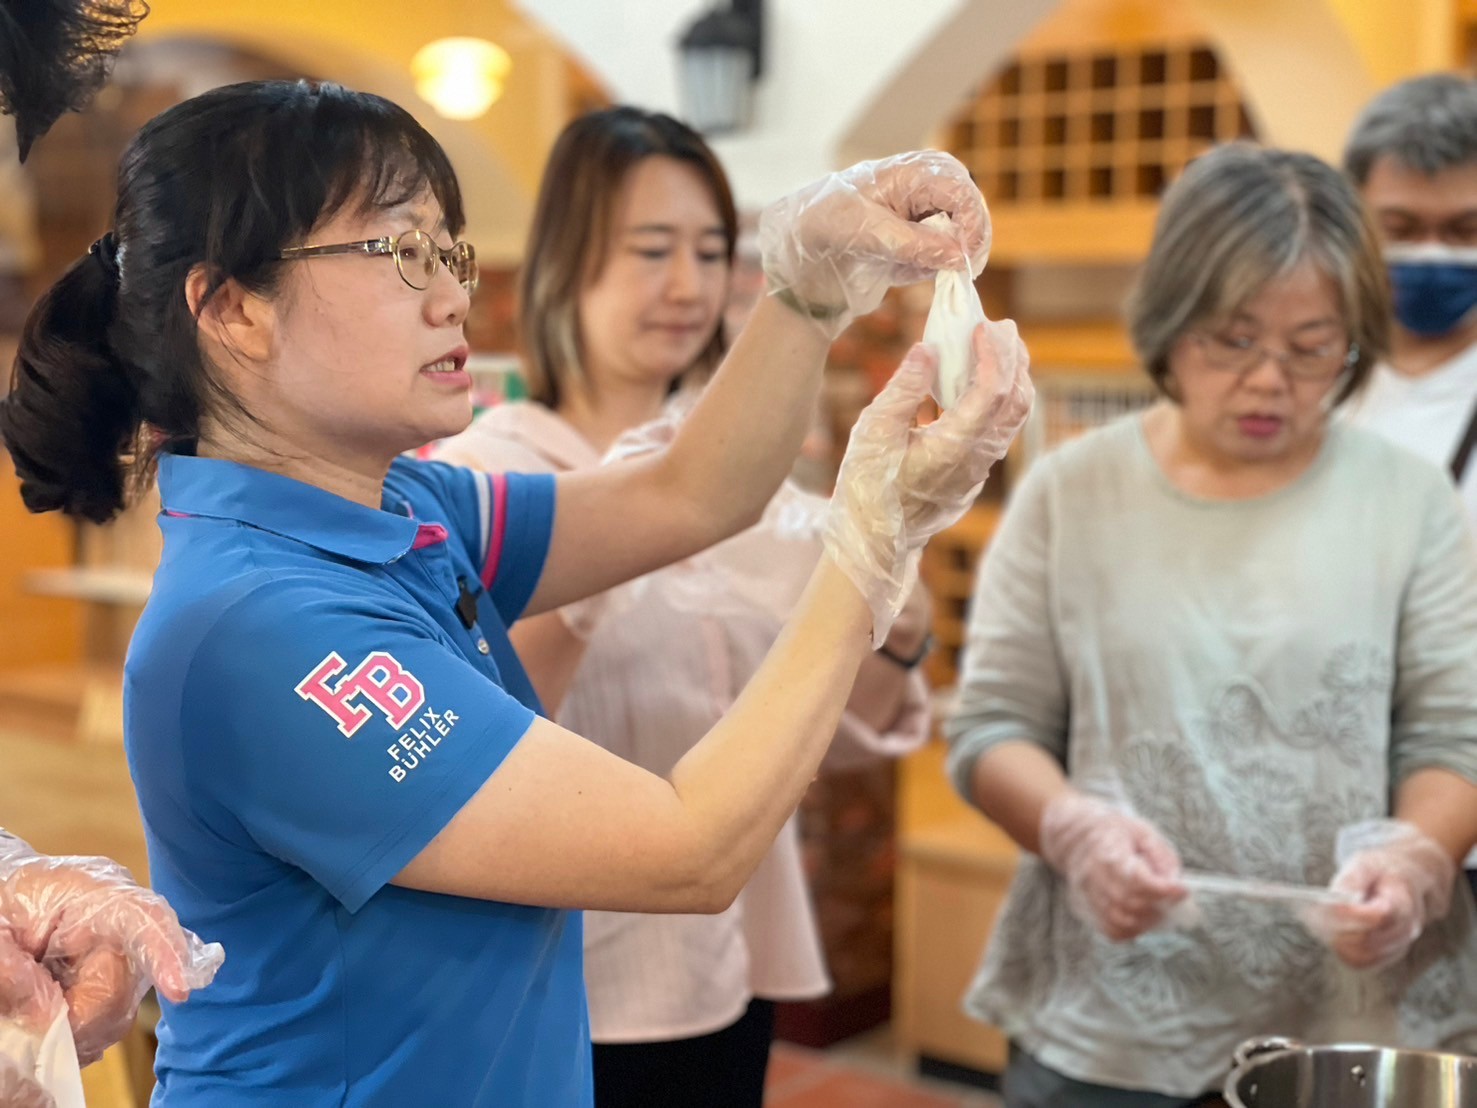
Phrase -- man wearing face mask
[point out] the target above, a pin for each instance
(1413, 155)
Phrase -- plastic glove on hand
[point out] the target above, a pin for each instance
(29, 995)
(901, 484)
(1122, 876)
(1402, 881)
(832, 249)
(18, 1090)
(103, 938)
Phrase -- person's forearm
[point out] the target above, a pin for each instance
(1443, 805)
(551, 654)
(741, 440)
(1012, 783)
(741, 783)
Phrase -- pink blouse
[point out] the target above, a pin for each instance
(658, 673)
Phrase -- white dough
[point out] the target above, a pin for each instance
(952, 320)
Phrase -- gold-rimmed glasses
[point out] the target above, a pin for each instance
(416, 257)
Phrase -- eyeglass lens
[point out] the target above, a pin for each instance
(418, 256)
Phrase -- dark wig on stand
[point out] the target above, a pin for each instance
(55, 54)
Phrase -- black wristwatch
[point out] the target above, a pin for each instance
(910, 661)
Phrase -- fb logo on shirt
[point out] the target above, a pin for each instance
(378, 679)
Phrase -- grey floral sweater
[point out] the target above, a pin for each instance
(1249, 676)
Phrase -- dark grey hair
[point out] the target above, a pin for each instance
(1239, 217)
(1426, 124)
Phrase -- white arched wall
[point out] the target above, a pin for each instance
(825, 59)
(848, 80)
(1299, 97)
(977, 38)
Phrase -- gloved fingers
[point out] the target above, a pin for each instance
(20, 1090)
(141, 925)
(1377, 947)
(1122, 910)
(919, 185)
(994, 406)
(1157, 861)
(103, 991)
(998, 344)
(1122, 923)
(911, 251)
(900, 398)
(28, 994)
(1141, 885)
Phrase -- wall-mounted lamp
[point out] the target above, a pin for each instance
(721, 55)
(460, 77)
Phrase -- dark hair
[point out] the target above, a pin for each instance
(570, 235)
(1239, 217)
(1427, 124)
(54, 54)
(109, 366)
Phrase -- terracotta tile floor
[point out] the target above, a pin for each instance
(851, 1077)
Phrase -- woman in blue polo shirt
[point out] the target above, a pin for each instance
(340, 763)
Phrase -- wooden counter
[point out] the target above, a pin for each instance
(954, 868)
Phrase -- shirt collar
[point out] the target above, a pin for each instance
(545, 432)
(217, 489)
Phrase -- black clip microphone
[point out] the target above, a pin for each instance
(466, 604)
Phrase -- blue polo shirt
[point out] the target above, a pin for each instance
(314, 690)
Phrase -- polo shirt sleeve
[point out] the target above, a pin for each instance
(342, 732)
(503, 520)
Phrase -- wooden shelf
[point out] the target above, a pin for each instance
(98, 585)
(1087, 346)
(1072, 145)
(1107, 233)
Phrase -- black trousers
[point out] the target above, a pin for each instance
(722, 1070)
(1029, 1084)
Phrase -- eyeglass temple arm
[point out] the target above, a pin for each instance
(372, 246)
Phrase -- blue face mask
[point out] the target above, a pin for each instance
(1434, 286)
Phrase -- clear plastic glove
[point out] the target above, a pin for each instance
(834, 248)
(102, 938)
(901, 484)
(1401, 880)
(18, 1090)
(1122, 876)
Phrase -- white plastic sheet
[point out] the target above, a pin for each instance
(50, 1060)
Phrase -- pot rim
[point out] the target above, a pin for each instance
(1253, 1053)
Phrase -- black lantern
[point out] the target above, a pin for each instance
(721, 55)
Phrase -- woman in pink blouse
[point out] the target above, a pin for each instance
(625, 279)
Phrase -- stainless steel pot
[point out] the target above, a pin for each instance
(1282, 1073)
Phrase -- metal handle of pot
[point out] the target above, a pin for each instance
(1255, 1048)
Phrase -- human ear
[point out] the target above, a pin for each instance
(233, 318)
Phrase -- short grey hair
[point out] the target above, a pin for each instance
(1239, 217)
(1426, 124)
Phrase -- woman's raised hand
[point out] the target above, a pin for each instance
(832, 249)
(900, 483)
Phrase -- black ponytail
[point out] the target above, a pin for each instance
(71, 421)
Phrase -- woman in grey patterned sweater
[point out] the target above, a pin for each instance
(1231, 636)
